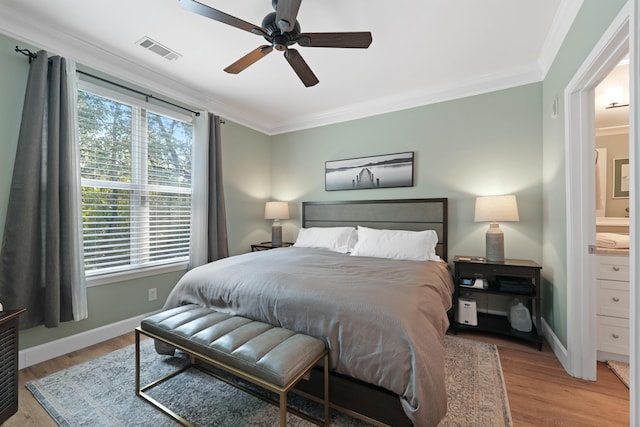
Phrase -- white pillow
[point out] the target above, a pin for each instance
(397, 244)
(337, 239)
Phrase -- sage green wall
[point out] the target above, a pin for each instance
(480, 145)
(246, 170)
(13, 69)
(592, 20)
(247, 183)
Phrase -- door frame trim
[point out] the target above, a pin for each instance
(580, 202)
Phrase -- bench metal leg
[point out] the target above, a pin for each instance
(326, 389)
(137, 361)
(283, 409)
(141, 390)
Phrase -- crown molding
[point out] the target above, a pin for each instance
(415, 98)
(52, 40)
(565, 15)
(14, 24)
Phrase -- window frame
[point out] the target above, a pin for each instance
(150, 270)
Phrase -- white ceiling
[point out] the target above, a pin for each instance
(423, 51)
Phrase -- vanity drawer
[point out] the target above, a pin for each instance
(613, 268)
(613, 335)
(613, 298)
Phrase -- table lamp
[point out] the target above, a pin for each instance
(276, 211)
(493, 209)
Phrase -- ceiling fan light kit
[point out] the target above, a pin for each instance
(281, 29)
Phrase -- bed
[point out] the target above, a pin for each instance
(383, 319)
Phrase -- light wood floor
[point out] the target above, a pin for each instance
(540, 391)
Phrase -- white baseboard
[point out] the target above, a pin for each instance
(603, 356)
(43, 352)
(556, 346)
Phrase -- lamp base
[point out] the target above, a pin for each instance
(495, 243)
(276, 234)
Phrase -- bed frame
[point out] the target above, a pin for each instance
(400, 214)
(370, 403)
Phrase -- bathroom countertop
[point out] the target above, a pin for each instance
(611, 251)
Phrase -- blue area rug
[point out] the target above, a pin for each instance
(100, 392)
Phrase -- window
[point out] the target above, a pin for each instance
(136, 184)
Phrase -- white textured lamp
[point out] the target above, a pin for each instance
(496, 209)
(276, 211)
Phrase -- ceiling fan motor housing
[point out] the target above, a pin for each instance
(276, 37)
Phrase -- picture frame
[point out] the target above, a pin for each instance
(621, 178)
(380, 171)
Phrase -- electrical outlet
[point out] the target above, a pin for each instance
(153, 294)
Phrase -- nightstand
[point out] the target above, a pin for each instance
(265, 246)
(9, 363)
(513, 278)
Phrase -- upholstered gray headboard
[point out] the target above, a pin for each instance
(400, 214)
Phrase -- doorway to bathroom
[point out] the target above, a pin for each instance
(612, 190)
(580, 96)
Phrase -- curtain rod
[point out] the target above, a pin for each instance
(32, 56)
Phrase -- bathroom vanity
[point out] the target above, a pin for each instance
(612, 306)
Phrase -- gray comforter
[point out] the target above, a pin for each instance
(383, 320)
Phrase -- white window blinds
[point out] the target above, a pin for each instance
(136, 185)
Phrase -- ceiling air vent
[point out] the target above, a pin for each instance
(156, 47)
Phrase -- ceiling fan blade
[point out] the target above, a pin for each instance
(216, 15)
(249, 59)
(358, 40)
(286, 14)
(300, 67)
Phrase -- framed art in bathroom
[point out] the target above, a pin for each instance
(621, 178)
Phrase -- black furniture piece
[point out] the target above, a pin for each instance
(9, 363)
(515, 278)
(265, 246)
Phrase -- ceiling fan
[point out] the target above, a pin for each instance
(281, 30)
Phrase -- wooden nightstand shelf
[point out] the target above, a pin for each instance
(265, 246)
(524, 276)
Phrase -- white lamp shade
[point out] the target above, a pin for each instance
(276, 210)
(496, 209)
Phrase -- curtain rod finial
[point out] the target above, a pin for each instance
(26, 52)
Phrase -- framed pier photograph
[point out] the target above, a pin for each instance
(383, 171)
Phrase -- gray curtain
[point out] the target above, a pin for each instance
(218, 246)
(38, 259)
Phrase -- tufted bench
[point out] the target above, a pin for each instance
(270, 357)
